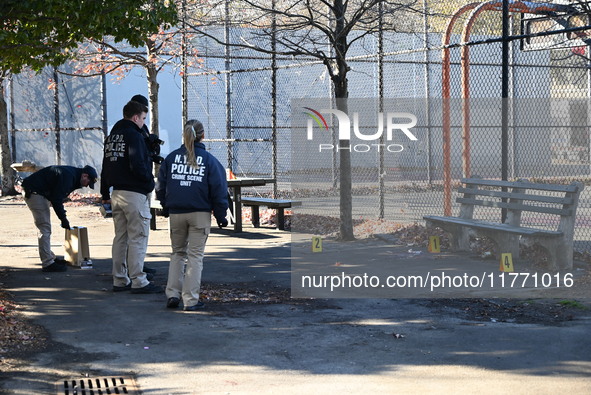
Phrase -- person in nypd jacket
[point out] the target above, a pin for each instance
(127, 169)
(191, 186)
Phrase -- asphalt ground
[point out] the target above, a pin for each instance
(253, 338)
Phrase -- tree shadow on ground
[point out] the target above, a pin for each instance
(93, 330)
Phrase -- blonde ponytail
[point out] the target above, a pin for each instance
(192, 133)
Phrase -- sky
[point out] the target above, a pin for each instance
(120, 92)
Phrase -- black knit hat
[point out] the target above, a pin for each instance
(140, 99)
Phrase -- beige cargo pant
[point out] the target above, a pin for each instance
(131, 217)
(41, 210)
(188, 235)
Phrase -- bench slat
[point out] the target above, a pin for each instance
(522, 196)
(515, 206)
(494, 226)
(278, 204)
(521, 184)
(284, 203)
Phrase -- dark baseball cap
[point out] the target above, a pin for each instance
(140, 99)
(92, 175)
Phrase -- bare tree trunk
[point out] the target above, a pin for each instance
(345, 190)
(153, 87)
(341, 91)
(8, 173)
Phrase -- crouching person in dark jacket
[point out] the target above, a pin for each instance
(47, 188)
(191, 185)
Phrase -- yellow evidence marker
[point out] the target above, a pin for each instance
(316, 244)
(506, 262)
(434, 245)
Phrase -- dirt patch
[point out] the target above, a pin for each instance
(543, 312)
(17, 334)
(536, 311)
(257, 293)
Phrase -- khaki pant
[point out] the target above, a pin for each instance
(188, 235)
(41, 210)
(131, 217)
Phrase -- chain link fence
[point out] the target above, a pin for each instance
(244, 98)
(62, 125)
(247, 104)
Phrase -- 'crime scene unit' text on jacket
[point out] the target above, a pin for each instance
(182, 188)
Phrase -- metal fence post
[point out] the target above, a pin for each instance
(427, 89)
(505, 98)
(184, 104)
(274, 101)
(104, 122)
(381, 169)
(228, 81)
(56, 108)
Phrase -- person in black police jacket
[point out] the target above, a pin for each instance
(146, 134)
(191, 185)
(49, 187)
(127, 169)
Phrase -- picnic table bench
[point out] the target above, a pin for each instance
(236, 185)
(278, 204)
(516, 197)
(155, 206)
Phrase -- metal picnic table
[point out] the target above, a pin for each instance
(237, 184)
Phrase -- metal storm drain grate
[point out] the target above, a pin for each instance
(97, 386)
